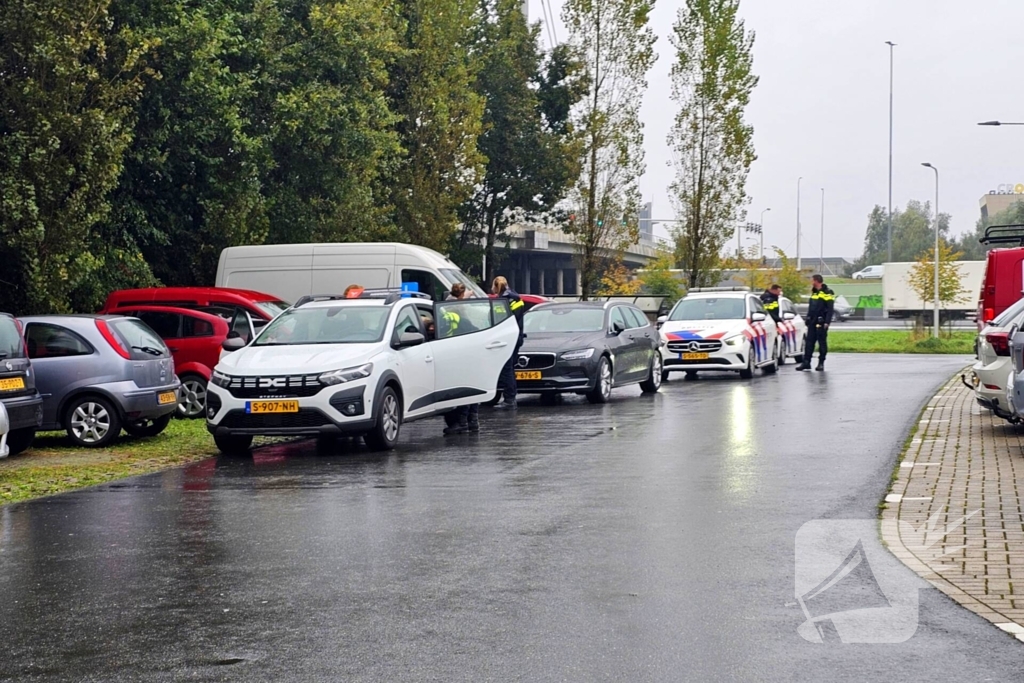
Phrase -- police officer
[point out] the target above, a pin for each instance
(770, 299)
(819, 317)
(507, 381)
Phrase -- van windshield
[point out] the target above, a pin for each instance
(454, 275)
(326, 325)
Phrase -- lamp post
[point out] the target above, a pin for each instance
(821, 264)
(935, 307)
(891, 46)
(762, 231)
(798, 223)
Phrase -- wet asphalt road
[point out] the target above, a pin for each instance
(651, 539)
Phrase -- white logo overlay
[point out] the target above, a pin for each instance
(851, 590)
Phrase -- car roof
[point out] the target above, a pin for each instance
(719, 295)
(334, 303)
(156, 308)
(71, 317)
(174, 292)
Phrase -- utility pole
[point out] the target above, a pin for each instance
(935, 303)
(798, 222)
(821, 265)
(891, 46)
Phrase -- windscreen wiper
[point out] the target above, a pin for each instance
(149, 349)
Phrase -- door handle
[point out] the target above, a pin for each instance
(496, 345)
(428, 359)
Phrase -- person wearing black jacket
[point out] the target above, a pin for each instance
(770, 299)
(819, 317)
(507, 381)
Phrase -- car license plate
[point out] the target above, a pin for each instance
(696, 356)
(533, 374)
(260, 407)
(167, 397)
(12, 384)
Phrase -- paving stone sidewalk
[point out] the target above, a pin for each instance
(955, 514)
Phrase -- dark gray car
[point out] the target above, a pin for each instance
(588, 348)
(17, 387)
(99, 374)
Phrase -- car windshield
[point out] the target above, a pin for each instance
(272, 308)
(564, 320)
(455, 275)
(709, 308)
(1006, 318)
(326, 325)
(10, 339)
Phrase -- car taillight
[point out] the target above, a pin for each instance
(112, 339)
(1000, 342)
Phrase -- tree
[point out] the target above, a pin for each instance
(659, 280)
(712, 80)
(68, 79)
(922, 276)
(432, 92)
(615, 46)
(527, 137)
(913, 230)
(618, 280)
(968, 243)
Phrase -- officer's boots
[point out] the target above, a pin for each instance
(821, 365)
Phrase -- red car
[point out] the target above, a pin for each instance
(259, 306)
(194, 338)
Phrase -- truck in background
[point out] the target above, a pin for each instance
(1003, 284)
(899, 300)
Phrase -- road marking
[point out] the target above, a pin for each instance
(918, 498)
(1010, 627)
(893, 498)
(919, 464)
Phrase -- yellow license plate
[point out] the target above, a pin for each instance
(12, 384)
(534, 374)
(696, 356)
(259, 407)
(167, 397)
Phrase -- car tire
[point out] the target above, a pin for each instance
(387, 423)
(774, 367)
(664, 375)
(233, 444)
(748, 372)
(91, 422)
(147, 428)
(19, 440)
(496, 400)
(654, 377)
(602, 390)
(193, 397)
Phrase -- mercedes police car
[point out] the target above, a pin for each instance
(720, 329)
(330, 366)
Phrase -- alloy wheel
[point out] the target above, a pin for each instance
(193, 398)
(90, 423)
(656, 371)
(389, 414)
(606, 379)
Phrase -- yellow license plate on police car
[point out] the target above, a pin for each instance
(167, 397)
(260, 407)
(533, 374)
(696, 356)
(12, 384)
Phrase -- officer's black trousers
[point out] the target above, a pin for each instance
(817, 335)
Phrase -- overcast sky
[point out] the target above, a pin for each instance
(821, 110)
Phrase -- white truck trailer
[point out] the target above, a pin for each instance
(899, 300)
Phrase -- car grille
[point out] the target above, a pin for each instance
(687, 345)
(238, 419)
(535, 361)
(285, 386)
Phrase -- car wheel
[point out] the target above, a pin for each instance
(20, 439)
(748, 372)
(774, 366)
(91, 422)
(388, 425)
(145, 428)
(233, 444)
(653, 381)
(602, 390)
(193, 397)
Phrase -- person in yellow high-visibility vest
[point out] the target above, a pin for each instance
(507, 381)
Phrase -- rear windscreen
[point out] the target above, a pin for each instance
(142, 342)
(11, 345)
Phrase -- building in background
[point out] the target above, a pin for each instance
(1001, 199)
(646, 224)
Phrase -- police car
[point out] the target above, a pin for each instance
(331, 366)
(793, 331)
(720, 329)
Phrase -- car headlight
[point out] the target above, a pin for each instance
(581, 354)
(220, 379)
(735, 340)
(346, 375)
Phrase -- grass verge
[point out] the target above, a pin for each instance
(53, 465)
(900, 341)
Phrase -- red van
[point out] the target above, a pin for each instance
(1003, 285)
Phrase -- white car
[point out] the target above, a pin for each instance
(988, 375)
(5, 428)
(870, 273)
(720, 329)
(793, 330)
(330, 366)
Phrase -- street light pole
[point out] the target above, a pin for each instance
(821, 264)
(891, 46)
(935, 306)
(798, 223)
(762, 231)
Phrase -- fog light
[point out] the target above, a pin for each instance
(211, 412)
(350, 409)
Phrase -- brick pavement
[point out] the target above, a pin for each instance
(954, 513)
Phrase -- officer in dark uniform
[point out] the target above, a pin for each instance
(507, 382)
(819, 317)
(770, 299)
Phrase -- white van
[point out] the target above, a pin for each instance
(291, 271)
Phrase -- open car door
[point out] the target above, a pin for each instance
(475, 337)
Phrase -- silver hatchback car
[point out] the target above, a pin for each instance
(101, 373)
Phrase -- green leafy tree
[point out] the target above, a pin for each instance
(922, 276)
(658, 278)
(969, 244)
(913, 230)
(712, 80)
(615, 46)
(68, 79)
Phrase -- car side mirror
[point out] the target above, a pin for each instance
(407, 339)
(758, 317)
(233, 334)
(233, 343)
(789, 315)
(618, 327)
(662, 319)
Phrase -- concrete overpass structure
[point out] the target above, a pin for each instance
(542, 260)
